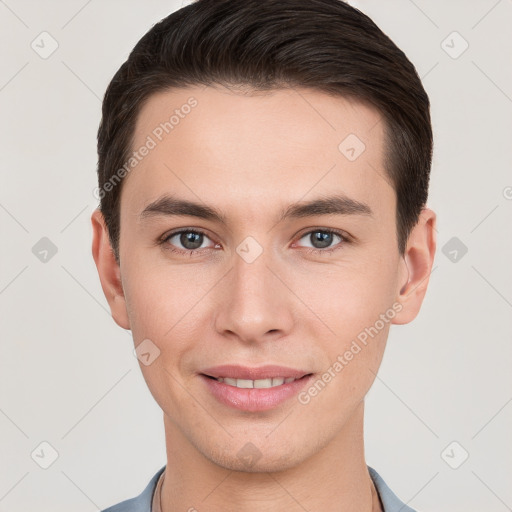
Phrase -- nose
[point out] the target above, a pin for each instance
(254, 304)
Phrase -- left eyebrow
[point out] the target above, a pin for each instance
(338, 204)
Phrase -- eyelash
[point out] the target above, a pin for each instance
(311, 250)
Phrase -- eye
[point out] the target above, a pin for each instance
(322, 239)
(190, 240)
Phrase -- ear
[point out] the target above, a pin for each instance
(417, 265)
(108, 270)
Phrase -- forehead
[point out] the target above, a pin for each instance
(247, 147)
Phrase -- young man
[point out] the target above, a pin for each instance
(263, 176)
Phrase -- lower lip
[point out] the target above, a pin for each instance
(254, 399)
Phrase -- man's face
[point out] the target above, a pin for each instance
(254, 293)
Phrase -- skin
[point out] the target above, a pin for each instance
(251, 155)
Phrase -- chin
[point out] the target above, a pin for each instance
(273, 464)
(258, 456)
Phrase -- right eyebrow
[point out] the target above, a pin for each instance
(172, 206)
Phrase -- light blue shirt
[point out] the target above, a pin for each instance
(142, 503)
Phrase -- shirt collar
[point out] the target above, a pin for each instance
(142, 503)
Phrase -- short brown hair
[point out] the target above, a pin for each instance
(326, 45)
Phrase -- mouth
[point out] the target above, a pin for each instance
(254, 389)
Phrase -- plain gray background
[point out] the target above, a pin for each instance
(68, 376)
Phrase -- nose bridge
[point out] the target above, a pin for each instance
(253, 302)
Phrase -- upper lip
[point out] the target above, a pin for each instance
(245, 372)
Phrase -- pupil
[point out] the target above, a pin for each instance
(324, 239)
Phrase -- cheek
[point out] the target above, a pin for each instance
(357, 308)
(161, 309)
(166, 305)
(355, 302)
(349, 297)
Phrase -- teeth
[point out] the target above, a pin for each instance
(260, 383)
(242, 383)
(263, 383)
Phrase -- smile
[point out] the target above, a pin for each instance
(258, 394)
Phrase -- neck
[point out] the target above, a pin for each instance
(334, 478)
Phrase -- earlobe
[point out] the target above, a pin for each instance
(417, 262)
(108, 270)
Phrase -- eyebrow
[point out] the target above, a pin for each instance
(338, 204)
